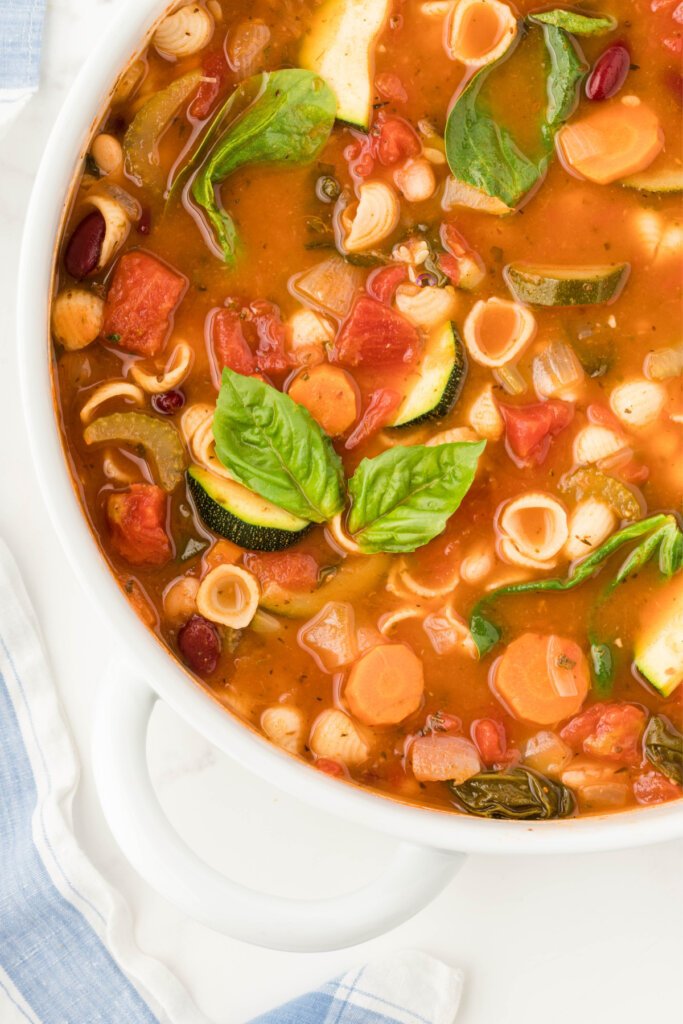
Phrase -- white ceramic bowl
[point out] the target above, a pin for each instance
(432, 842)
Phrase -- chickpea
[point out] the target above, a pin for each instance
(107, 153)
(180, 598)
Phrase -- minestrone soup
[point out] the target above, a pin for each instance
(367, 356)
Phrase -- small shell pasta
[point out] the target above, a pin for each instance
(117, 225)
(388, 623)
(533, 530)
(595, 443)
(485, 417)
(184, 32)
(335, 736)
(228, 595)
(376, 217)
(591, 521)
(497, 331)
(105, 392)
(342, 539)
(497, 29)
(172, 375)
(77, 318)
(456, 435)
(638, 403)
(426, 307)
(284, 725)
(196, 426)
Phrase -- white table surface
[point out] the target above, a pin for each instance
(592, 938)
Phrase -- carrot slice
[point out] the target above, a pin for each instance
(621, 138)
(385, 685)
(542, 679)
(330, 396)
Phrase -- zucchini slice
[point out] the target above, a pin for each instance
(339, 47)
(241, 515)
(565, 286)
(659, 644)
(435, 386)
(354, 578)
(665, 179)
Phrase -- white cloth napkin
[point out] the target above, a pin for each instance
(21, 30)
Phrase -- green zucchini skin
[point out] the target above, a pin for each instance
(243, 518)
(449, 367)
(565, 286)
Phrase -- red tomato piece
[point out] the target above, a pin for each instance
(602, 417)
(530, 428)
(383, 403)
(294, 570)
(449, 266)
(216, 74)
(333, 768)
(376, 335)
(390, 87)
(453, 241)
(383, 282)
(617, 733)
(229, 344)
(141, 299)
(655, 788)
(395, 140)
(633, 472)
(271, 355)
(359, 156)
(580, 726)
(490, 740)
(137, 523)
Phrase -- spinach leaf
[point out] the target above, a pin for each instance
(566, 71)
(602, 665)
(403, 497)
(578, 24)
(288, 123)
(275, 447)
(663, 535)
(664, 748)
(517, 793)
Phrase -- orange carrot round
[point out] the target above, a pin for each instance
(330, 396)
(622, 137)
(542, 679)
(385, 685)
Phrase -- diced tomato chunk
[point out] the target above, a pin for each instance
(390, 87)
(229, 343)
(141, 299)
(602, 417)
(294, 570)
(216, 75)
(449, 266)
(655, 788)
(452, 240)
(442, 721)
(395, 140)
(137, 523)
(490, 739)
(633, 472)
(580, 726)
(325, 764)
(530, 428)
(271, 355)
(376, 335)
(383, 403)
(611, 731)
(383, 282)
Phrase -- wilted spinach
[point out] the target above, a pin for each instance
(664, 748)
(517, 793)
(285, 120)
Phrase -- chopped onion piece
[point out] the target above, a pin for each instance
(664, 363)
(555, 370)
(510, 378)
(330, 285)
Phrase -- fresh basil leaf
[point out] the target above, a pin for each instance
(275, 447)
(288, 123)
(602, 665)
(518, 794)
(403, 497)
(484, 634)
(577, 24)
(566, 71)
(664, 748)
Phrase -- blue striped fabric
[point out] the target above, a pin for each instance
(21, 31)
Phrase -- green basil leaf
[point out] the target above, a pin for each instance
(567, 69)
(275, 447)
(664, 748)
(484, 633)
(518, 794)
(288, 123)
(602, 665)
(403, 497)
(578, 24)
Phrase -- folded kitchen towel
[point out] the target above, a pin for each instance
(21, 30)
(67, 955)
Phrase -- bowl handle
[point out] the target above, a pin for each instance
(411, 879)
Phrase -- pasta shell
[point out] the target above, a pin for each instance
(649, 229)
(437, 8)
(460, 193)
(184, 32)
(415, 179)
(336, 528)
(456, 435)
(485, 416)
(497, 331)
(428, 307)
(119, 468)
(105, 392)
(117, 225)
(387, 623)
(595, 443)
(335, 736)
(480, 32)
(173, 374)
(376, 217)
(477, 563)
(533, 529)
(414, 251)
(284, 725)
(638, 403)
(228, 595)
(196, 426)
(77, 318)
(591, 521)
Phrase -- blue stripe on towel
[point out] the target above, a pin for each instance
(50, 952)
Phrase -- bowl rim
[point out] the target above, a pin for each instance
(145, 653)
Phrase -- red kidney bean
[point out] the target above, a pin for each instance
(85, 245)
(609, 72)
(199, 645)
(168, 402)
